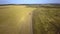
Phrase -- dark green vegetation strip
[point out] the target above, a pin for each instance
(46, 21)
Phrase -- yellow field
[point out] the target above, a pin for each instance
(15, 20)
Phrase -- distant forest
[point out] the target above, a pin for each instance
(36, 5)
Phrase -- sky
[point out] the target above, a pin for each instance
(28, 1)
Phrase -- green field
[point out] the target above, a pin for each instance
(46, 20)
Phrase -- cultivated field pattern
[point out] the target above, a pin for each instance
(46, 20)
